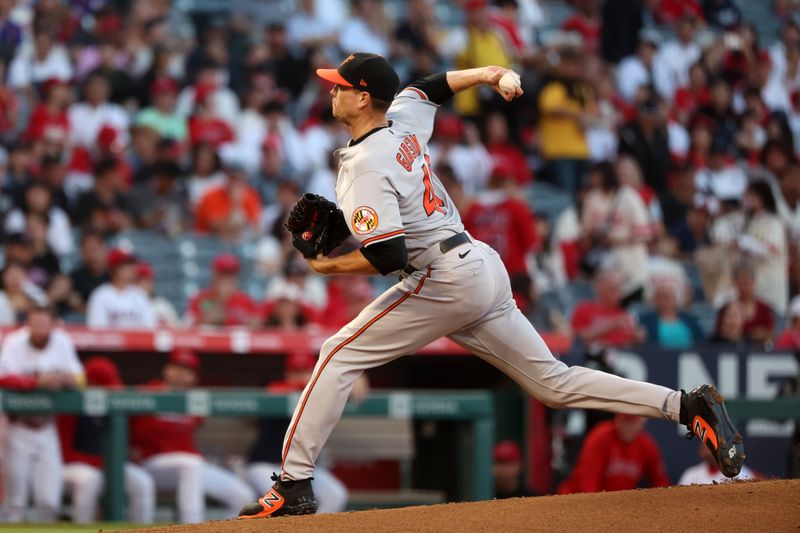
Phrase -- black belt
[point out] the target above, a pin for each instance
(445, 246)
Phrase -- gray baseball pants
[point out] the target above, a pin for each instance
(464, 295)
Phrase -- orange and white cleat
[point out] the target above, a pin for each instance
(286, 497)
(703, 411)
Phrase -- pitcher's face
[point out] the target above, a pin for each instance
(346, 102)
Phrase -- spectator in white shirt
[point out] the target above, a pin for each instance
(165, 312)
(674, 58)
(39, 61)
(721, 179)
(305, 29)
(38, 356)
(458, 144)
(636, 72)
(89, 116)
(38, 199)
(790, 38)
(764, 240)
(206, 172)
(364, 31)
(224, 101)
(120, 303)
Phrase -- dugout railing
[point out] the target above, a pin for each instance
(474, 408)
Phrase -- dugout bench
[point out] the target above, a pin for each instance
(474, 408)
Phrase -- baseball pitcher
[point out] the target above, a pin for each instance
(451, 284)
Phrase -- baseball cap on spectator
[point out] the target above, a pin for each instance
(163, 85)
(102, 372)
(202, 91)
(300, 360)
(449, 127)
(503, 168)
(185, 358)
(366, 72)
(226, 264)
(144, 270)
(107, 138)
(108, 23)
(507, 451)
(470, 5)
(117, 257)
(18, 238)
(48, 85)
(286, 291)
(648, 107)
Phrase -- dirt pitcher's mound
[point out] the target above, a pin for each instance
(772, 506)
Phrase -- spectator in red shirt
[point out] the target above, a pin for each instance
(759, 320)
(694, 96)
(501, 219)
(50, 118)
(229, 210)
(166, 445)
(604, 321)
(223, 303)
(504, 152)
(82, 449)
(347, 296)
(789, 339)
(616, 455)
(205, 125)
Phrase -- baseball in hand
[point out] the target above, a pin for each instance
(509, 82)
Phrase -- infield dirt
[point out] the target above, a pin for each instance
(772, 506)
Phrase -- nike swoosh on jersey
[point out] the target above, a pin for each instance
(462, 256)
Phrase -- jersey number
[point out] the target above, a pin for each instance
(430, 201)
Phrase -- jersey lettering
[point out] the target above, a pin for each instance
(430, 201)
(408, 151)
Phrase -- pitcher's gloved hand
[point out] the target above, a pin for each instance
(317, 225)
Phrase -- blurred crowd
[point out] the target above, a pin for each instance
(653, 155)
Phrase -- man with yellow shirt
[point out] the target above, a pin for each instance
(565, 104)
(485, 46)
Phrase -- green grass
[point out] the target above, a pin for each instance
(62, 527)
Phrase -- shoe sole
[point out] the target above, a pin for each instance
(300, 509)
(288, 510)
(730, 447)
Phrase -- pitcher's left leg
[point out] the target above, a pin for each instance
(509, 342)
(512, 344)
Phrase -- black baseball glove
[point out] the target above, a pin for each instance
(317, 225)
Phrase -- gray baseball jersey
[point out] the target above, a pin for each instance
(386, 189)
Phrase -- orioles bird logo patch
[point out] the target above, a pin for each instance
(365, 220)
